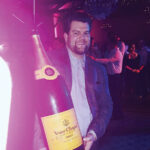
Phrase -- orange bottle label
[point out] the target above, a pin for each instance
(62, 131)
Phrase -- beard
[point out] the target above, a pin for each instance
(80, 49)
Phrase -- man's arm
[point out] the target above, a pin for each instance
(104, 102)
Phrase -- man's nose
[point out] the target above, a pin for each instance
(82, 36)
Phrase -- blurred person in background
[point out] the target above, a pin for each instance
(144, 77)
(132, 70)
(113, 60)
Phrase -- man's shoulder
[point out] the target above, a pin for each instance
(100, 71)
(98, 66)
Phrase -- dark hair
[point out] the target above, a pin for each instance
(75, 16)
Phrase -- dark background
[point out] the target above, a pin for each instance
(129, 18)
(18, 21)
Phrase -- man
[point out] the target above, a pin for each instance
(86, 80)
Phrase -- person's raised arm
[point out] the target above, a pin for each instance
(114, 58)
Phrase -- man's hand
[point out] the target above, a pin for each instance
(88, 141)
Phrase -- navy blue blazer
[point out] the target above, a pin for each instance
(96, 84)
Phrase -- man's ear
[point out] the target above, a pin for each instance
(66, 37)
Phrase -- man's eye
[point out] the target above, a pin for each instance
(87, 33)
(76, 33)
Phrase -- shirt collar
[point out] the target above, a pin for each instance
(75, 60)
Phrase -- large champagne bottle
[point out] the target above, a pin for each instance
(55, 108)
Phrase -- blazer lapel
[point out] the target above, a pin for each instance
(89, 82)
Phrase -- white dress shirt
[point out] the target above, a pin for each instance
(78, 93)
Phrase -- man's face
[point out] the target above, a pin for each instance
(78, 38)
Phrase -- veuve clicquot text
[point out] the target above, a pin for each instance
(54, 105)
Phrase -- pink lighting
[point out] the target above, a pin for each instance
(55, 32)
(5, 101)
(55, 20)
(1, 47)
(67, 5)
